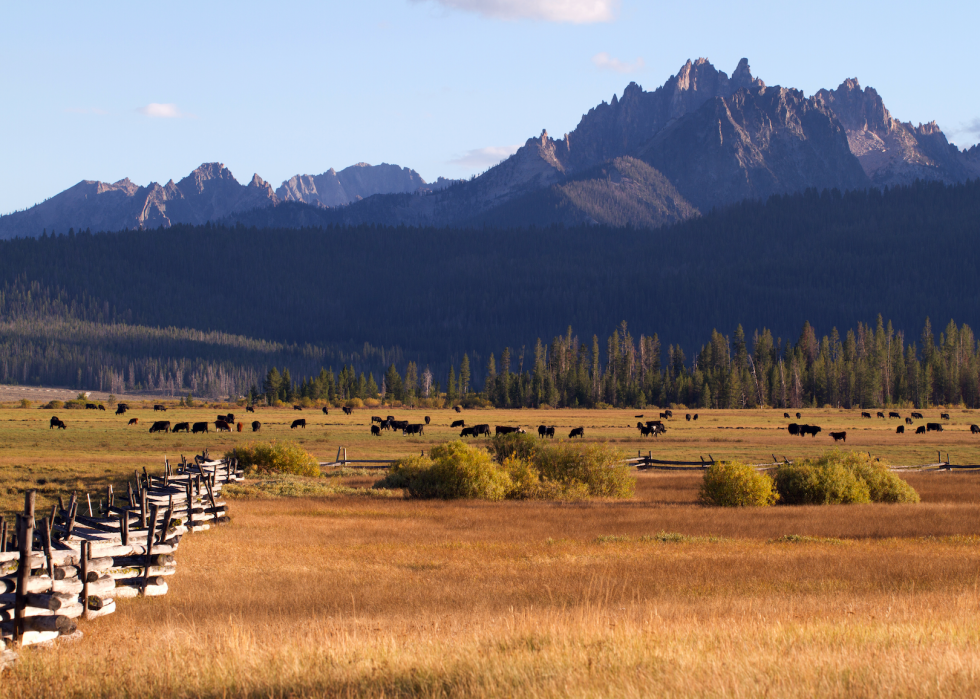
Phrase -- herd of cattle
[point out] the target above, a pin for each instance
(814, 430)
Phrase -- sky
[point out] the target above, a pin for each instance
(149, 91)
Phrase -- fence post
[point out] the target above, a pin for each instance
(25, 544)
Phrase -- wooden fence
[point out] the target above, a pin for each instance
(57, 568)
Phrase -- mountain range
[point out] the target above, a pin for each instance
(701, 140)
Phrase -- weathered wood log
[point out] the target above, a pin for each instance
(69, 586)
(129, 591)
(157, 559)
(34, 638)
(137, 571)
(52, 601)
(103, 587)
(53, 622)
(106, 606)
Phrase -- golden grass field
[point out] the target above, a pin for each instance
(654, 596)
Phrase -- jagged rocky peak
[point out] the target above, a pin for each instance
(206, 172)
(857, 109)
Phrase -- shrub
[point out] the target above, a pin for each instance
(354, 403)
(735, 484)
(453, 470)
(275, 457)
(25, 403)
(841, 478)
(521, 446)
(53, 405)
(372, 403)
(594, 465)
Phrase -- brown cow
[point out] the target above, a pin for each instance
(134, 421)
(240, 426)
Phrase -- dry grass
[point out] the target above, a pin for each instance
(356, 596)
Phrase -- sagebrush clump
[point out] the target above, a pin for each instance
(275, 457)
(841, 478)
(735, 484)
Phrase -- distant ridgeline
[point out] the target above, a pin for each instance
(213, 309)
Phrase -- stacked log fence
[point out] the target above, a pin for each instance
(64, 565)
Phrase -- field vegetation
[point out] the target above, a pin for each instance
(326, 586)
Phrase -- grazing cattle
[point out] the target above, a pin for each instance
(811, 430)
(944, 416)
(688, 417)
(182, 427)
(458, 423)
(786, 415)
(550, 432)
(503, 429)
(375, 418)
(900, 429)
(223, 418)
(933, 427)
(577, 432)
(230, 417)
(426, 419)
(256, 426)
(124, 406)
(654, 430)
(917, 416)
(61, 425)
(390, 418)
(222, 426)
(239, 426)
(908, 421)
(249, 408)
(921, 429)
(881, 415)
(134, 421)
(91, 406)
(468, 432)
(798, 416)
(54, 422)
(199, 427)
(867, 415)
(398, 424)
(482, 429)
(664, 416)
(793, 428)
(347, 411)
(413, 429)
(975, 429)
(160, 426)
(386, 424)
(161, 408)
(120, 410)
(325, 411)
(895, 415)
(298, 423)
(542, 430)
(375, 431)
(457, 409)
(839, 436)
(102, 408)
(297, 407)
(695, 416)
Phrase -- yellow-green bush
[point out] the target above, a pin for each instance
(735, 484)
(841, 478)
(275, 457)
(452, 470)
(597, 466)
(521, 446)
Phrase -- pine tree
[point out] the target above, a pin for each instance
(464, 376)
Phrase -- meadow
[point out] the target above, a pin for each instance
(369, 596)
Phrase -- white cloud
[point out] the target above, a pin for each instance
(572, 11)
(603, 61)
(162, 111)
(482, 158)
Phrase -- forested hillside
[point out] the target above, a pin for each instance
(830, 259)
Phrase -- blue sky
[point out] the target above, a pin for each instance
(107, 90)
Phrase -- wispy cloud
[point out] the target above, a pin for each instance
(159, 110)
(603, 61)
(87, 110)
(480, 158)
(571, 11)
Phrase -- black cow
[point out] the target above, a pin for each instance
(933, 427)
(375, 418)
(483, 429)
(542, 430)
(298, 423)
(60, 425)
(347, 411)
(161, 408)
(944, 416)
(695, 416)
(504, 429)
(917, 416)
(881, 415)
(102, 408)
(867, 415)
(975, 429)
(577, 432)
(468, 432)
(457, 409)
(182, 427)
(160, 426)
(426, 419)
(91, 406)
(812, 430)
(223, 418)
(386, 424)
(120, 410)
(908, 421)
(231, 417)
(786, 415)
(793, 428)
(390, 418)
(895, 415)
(124, 406)
(458, 423)
(798, 416)
(325, 411)
(839, 436)
(222, 426)
(664, 416)
(256, 426)
(398, 424)
(414, 429)
(550, 432)
(921, 429)
(55, 422)
(297, 407)
(900, 429)
(688, 417)
(375, 431)
(249, 408)
(199, 427)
